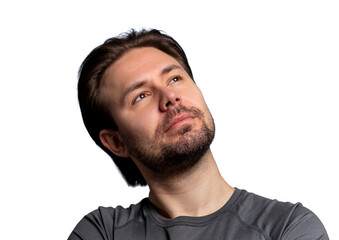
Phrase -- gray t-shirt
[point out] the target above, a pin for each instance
(245, 216)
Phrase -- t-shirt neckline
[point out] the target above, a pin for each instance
(188, 220)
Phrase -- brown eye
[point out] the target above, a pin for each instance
(175, 79)
(140, 97)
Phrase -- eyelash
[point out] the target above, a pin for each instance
(145, 94)
(175, 77)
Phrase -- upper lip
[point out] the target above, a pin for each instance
(178, 118)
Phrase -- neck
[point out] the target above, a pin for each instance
(199, 192)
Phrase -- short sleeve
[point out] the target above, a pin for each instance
(304, 225)
(98, 225)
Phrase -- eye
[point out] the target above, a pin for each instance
(174, 79)
(140, 97)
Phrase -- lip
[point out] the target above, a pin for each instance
(179, 120)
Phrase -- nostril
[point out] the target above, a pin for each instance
(168, 103)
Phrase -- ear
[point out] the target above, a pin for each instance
(111, 140)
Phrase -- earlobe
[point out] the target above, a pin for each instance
(112, 141)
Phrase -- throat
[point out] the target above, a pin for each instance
(200, 192)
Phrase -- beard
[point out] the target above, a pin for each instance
(170, 159)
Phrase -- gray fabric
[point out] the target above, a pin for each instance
(244, 216)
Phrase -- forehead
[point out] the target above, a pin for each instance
(135, 65)
(138, 61)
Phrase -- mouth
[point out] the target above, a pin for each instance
(178, 121)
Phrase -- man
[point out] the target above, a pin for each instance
(141, 105)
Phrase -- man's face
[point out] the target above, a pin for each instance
(161, 114)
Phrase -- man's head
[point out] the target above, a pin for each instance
(139, 101)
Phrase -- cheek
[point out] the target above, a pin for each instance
(197, 100)
(195, 97)
(141, 124)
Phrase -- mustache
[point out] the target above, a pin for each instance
(170, 114)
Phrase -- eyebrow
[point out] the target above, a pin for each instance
(170, 68)
(141, 83)
(131, 89)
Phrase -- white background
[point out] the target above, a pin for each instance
(269, 71)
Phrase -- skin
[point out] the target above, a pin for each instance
(156, 83)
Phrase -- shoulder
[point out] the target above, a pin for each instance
(249, 205)
(276, 219)
(100, 223)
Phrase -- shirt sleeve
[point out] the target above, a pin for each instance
(98, 225)
(304, 225)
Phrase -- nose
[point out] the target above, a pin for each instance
(168, 99)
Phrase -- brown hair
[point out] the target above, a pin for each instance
(94, 110)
